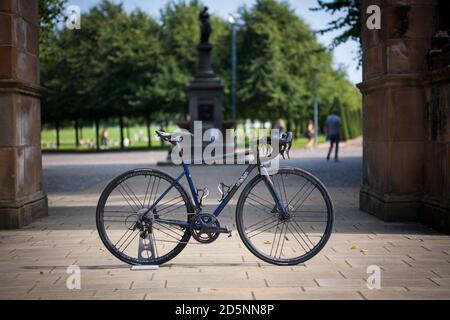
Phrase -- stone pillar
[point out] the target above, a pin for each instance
(21, 195)
(205, 93)
(436, 202)
(394, 61)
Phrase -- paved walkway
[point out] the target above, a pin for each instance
(414, 260)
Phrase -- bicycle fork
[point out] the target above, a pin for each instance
(284, 214)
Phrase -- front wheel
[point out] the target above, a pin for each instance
(285, 240)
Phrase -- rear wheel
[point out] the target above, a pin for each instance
(120, 228)
(285, 241)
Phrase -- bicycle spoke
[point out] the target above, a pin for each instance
(256, 207)
(293, 234)
(161, 206)
(284, 189)
(306, 235)
(146, 191)
(165, 211)
(274, 237)
(156, 192)
(295, 225)
(132, 231)
(114, 221)
(301, 189)
(306, 198)
(278, 242)
(151, 193)
(170, 228)
(262, 199)
(108, 211)
(302, 220)
(167, 234)
(273, 225)
(155, 245)
(174, 210)
(309, 211)
(130, 197)
(126, 199)
(135, 197)
(273, 218)
(131, 241)
(284, 239)
(280, 191)
(263, 226)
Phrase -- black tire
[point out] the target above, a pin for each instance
(248, 208)
(135, 202)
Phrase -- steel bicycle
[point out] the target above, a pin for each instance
(146, 217)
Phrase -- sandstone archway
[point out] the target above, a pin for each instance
(21, 196)
(406, 99)
(406, 105)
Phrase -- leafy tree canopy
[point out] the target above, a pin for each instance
(349, 22)
(132, 65)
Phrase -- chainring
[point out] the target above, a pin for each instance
(201, 226)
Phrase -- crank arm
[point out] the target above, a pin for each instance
(217, 230)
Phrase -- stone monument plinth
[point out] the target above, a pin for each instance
(205, 94)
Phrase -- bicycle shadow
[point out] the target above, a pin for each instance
(193, 265)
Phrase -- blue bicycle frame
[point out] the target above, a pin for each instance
(186, 173)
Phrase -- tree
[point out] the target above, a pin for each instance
(50, 13)
(278, 54)
(180, 36)
(127, 66)
(147, 62)
(350, 22)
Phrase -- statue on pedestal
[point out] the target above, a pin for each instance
(205, 26)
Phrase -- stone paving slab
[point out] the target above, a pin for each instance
(414, 260)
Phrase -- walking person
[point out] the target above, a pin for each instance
(309, 133)
(104, 139)
(334, 133)
(279, 125)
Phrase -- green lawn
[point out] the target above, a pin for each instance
(302, 142)
(138, 136)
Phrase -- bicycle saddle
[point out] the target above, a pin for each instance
(173, 138)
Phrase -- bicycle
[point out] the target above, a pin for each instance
(153, 225)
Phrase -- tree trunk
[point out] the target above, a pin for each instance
(149, 131)
(288, 126)
(58, 142)
(77, 136)
(297, 129)
(97, 133)
(161, 129)
(122, 145)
